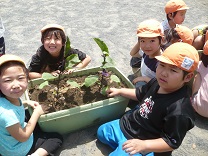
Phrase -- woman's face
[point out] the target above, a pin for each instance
(53, 44)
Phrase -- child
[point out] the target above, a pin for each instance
(149, 37)
(180, 34)
(200, 85)
(2, 44)
(49, 56)
(16, 136)
(164, 113)
(199, 36)
(175, 12)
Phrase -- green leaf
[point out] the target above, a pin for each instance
(73, 83)
(102, 45)
(71, 61)
(90, 80)
(115, 78)
(45, 83)
(48, 76)
(103, 90)
(109, 63)
(67, 46)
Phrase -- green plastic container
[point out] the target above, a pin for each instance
(69, 120)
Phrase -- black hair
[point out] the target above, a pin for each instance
(159, 37)
(172, 34)
(173, 15)
(13, 63)
(57, 32)
(204, 59)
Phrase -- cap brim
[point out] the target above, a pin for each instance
(164, 60)
(8, 57)
(148, 35)
(184, 8)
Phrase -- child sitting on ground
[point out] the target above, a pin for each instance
(49, 57)
(199, 36)
(16, 136)
(200, 85)
(180, 34)
(164, 113)
(150, 36)
(175, 12)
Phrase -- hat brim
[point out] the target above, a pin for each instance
(148, 35)
(164, 59)
(8, 57)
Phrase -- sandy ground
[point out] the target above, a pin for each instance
(113, 21)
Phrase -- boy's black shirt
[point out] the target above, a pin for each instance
(166, 116)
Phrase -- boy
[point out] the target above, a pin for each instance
(164, 114)
(150, 36)
(175, 12)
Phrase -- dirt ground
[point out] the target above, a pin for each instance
(114, 22)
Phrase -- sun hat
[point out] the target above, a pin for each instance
(149, 28)
(185, 34)
(175, 5)
(9, 57)
(48, 26)
(182, 55)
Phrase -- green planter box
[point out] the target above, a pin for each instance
(69, 120)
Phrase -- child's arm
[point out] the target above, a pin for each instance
(196, 83)
(135, 50)
(141, 78)
(22, 134)
(134, 146)
(34, 75)
(84, 62)
(125, 92)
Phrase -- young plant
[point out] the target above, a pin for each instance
(107, 62)
(68, 61)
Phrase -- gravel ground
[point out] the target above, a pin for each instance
(114, 22)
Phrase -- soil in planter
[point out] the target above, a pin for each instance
(68, 96)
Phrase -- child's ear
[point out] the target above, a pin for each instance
(188, 77)
(170, 15)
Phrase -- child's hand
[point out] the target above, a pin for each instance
(33, 104)
(134, 146)
(69, 71)
(56, 73)
(42, 109)
(113, 92)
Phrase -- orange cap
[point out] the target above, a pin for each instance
(182, 55)
(9, 57)
(205, 49)
(175, 5)
(48, 26)
(149, 28)
(185, 34)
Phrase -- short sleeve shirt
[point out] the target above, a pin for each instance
(148, 65)
(10, 115)
(167, 116)
(42, 59)
(200, 101)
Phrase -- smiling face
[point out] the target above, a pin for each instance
(13, 82)
(150, 46)
(53, 43)
(170, 78)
